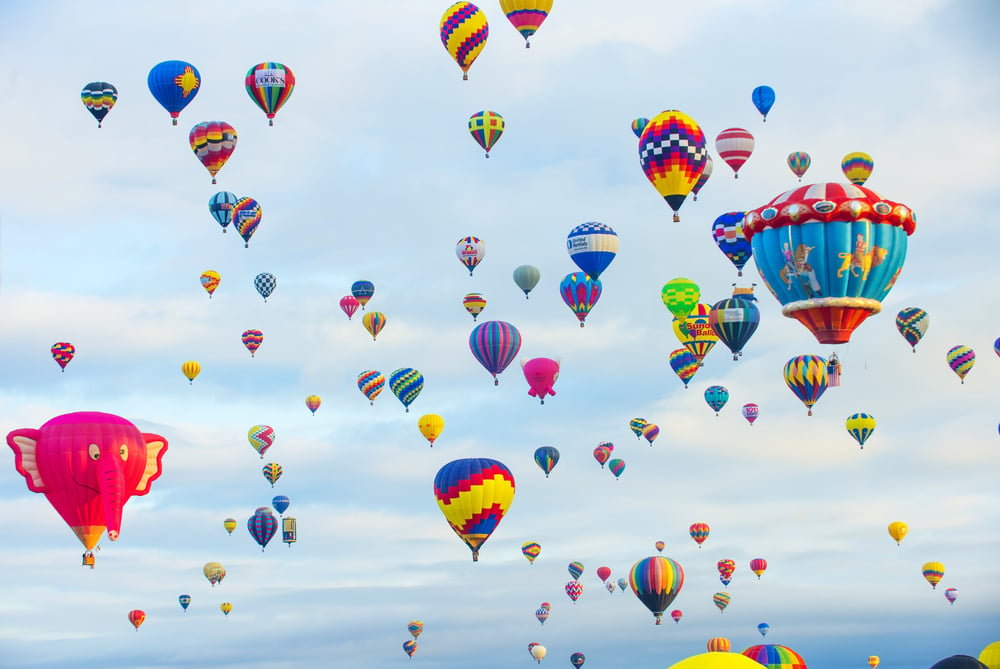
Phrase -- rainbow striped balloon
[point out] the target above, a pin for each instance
(656, 580)
(774, 656)
(370, 383)
(269, 85)
(495, 344)
(857, 167)
(684, 364)
(213, 142)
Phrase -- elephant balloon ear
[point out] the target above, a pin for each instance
(24, 442)
(156, 446)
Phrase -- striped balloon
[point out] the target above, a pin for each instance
(220, 206)
(912, 323)
(656, 580)
(575, 570)
(933, 572)
(464, 30)
(486, 127)
(574, 589)
(213, 142)
(546, 457)
(721, 600)
(374, 321)
(860, 426)
(261, 438)
(362, 291)
(370, 383)
(774, 656)
(526, 15)
(684, 364)
(470, 252)
(269, 85)
(719, 644)
(252, 339)
(857, 167)
(672, 154)
(410, 647)
(262, 525)
(531, 550)
(650, 431)
(474, 494)
(474, 303)
(616, 466)
(696, 333)
(734, 321)
(636, 425)
(699, 532)
(758, 566)
(734, 146)
(961, 359)
(580, 293)
(246, 215)
(495, 344)
(415, 627)
(638, 125)
(798, 163)
(210, 281)
(406, 383)
(272, 472)
(99, 97)
(806, 376)
(542, 614)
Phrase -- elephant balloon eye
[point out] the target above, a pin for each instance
(123, 451)
(94, 451)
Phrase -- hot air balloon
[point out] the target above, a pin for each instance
(659, 546)
(99, 97)
(650, 431)
(137, 617)
(727, 230)
(699, 532)
(486, 127)
(829, 253)
(546, 457)
(763, 99)
(252, 339)
(220, 206)
(213, 142)
(280, 503)
(526, 277)
(526, 15)
(246, 215)
(617, 466)
(370, 383)
(734, 321)
(410, 647)
(541, 374)
(575, 570)
(430, 425)
(672, 154)
(603, 573)
(602, 454)
(757, 566)
(464, 30)
(174, 84)
(495, 344)
(873, 661)
(269, 85)
(798, 163)
(636, 425)
(961, 359)
(470, 252)
(990, 655)
(719, 644)
(750, 412)
(191, 369)
(349, 305)
(265, 283)
(951, 594)
(806, 376)
(721, 600)
(531, 550)
(726, 567)
(474, 303)
(857, 167)
(912, 323)
(676, 615)
(680, 296)
(656, 580)
(313, 402)
(261, 438)
(88, 464)
(415, 627)
(474, 494)
(716, 397)
(592, 246)
(362, 291)
(62, 353)
(538, 652)
(574, 589)
(373, 321)
(684, 364)
(860, 426)
(898, 530)
(959, 662)
(577, 660)
(696, 334)
(734, 146)
(542, 614)
(262, 525)
(622, 583)
(775, 657)
(638, 125)
(406, 383)
(580, 293)
(933, 572)
(214, 572)
(225, 607)
(705, 174)
(272, 472)
(210, 281)
(230, 525)
(185, 601)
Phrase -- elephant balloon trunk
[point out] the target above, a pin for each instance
(112, 484)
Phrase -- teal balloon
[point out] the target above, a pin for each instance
(716, 396)
(406, 383)
(526, 277)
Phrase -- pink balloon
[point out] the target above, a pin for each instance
(541, 373)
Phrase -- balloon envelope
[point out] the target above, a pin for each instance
(464, 30)
(474, 494)
(541, 374)
(526, 15)
(269, 85)
(99, 97)
(672, 154)
(774, 656)
(213, 142)
(495, 344)
(580, 293)
(806, 376)
(486, 127)
(912, 323)
(656, 580)
(406, 383)
(592, 246)
(174, 84)
(716, 660)
(526, 277)
(763, 99)
(727, 231)
(546, 457)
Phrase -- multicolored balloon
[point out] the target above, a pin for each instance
(541, 374)
(750, 412)
(684, 364)
(857, 167)
(574, 589)
(912, 323)
(873, 661)
(951, 594)
(699, 532)
(763, 628)
(137, 617)
(860, 426)
(349, 305)
(650, 431)
(696, 332)
(659, 546)
(656, 581)
(526, 15)
(265, 283)
(577, 660)
(617, 466)
(757, 566)
(210, 280)
(370, 383)
(272, 472)
(214, 571)
(246, 215)
(672, 154)
(486, 127)
(638, 125)
(705, 174)
(773, 656)
(464, 30)
(798, 163)
(575, 570)
(313, 402)
(185, 601)
(225, 607)
(734, 146)
(719, 644)
(734, 321)
(636, 425)
(362, 291)
(680, 296)
(933, 573)
(716, 397)
(474, 494)
(806, 376)
(546, 457)
(622, 583)
(373, 321)
(174, 84)
(531, 550)
(99, 97)
(262, 526)
(542, 614)
(495, 344)
(474, 303)
(470, 252)
(961, 359)
(213, 142)
(580, 293)
(415, 627)
(763, 99)
(62, 353)
(220, 206)
(592, 246)
(721, 600)
(727, 231)
(526, 277)
(406, 383)
(602, 454)
(252, 339)
(269, 85)
(430, 425)
(410, 647)
(261, 438)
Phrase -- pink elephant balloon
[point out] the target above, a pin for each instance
(88, 464)
(540, 373)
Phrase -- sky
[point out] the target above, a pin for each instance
(369, 173)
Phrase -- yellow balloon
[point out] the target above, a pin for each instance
(991, 655)
(898, 530)
(717, 660)
(873, 660)
(229, 524)
(464, 30)
(697, 336)
(933, 572)
(214, 572)
(431, 426)
(191, 369)
(226, 607)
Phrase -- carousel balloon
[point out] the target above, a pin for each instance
(262, 525)
(210, 281)
(734, 321)
(406, 383)
(763, 99)
(951, 594)
(88, 464)
(415, 627)
(577, 660)
(362, 291)
(474, 494)
(602, 455)
(213, 142)
(230, 524)
(272, 472)
(470, 252)
(137, 617)
(580, 293)
(798, 163)
(474, 303)
(757, 566)
(269, 85)
(526, 15)
(636, 425)
(706, 173)
(541, 374)
(860, 426)
(370, 383)
(486, 127)
(680, 296)
(857, 167)
(719, 644)
(617, 466)
(99, 97)
(750, 412)
(898, 530)
(592, 246)
(696, 332)
(727, 230)
(659, 546)
(542, 614)
(265, 283)
(933, 573)
(829, 253)
(430, 425)
(546, 457)
(349, 305)
(62, 353)
(873, 661)
(672, 154)
(185, 601)
(603, 573)
(191, 369)
(961, 359)
(699, 532)
(721, 600)
(174, 84)
(531, 550)
(638, 125)
(716, 397)
(464, 30)
(650, 431)
(775, 657)
(261, 438)
(574, 589)
(313, 402)
(676, 615)
(684, 364)
(252, 339)
(806, 376)
(734, 146)
(410, 647)
(912, 323)
(526, 277)
(280, 503)
(575, 570)
(495, 344)
(214, 572)
(373, 321)
(246, 215)
(220, 206)
(225, 607)
(656, 580)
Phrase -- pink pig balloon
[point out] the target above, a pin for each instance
(540, 373)
(88, 464)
